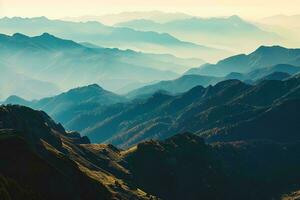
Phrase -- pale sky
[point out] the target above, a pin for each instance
(63, 8)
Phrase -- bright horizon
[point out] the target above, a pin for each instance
(254, 9)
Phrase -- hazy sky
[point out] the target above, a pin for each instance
(63, 8)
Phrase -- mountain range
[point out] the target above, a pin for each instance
(139, 106)
(159, 110)
(264, 56)
(227, 140)
(198, 110)
(111, 19)
(188, 81)
(33, 148)
(112, 37)
(71, 103)
(109, 118)
(231, 33)
(68, 64)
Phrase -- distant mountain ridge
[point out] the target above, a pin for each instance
(157, 110)
(64, 62)
(182, 84)
(187, 82)
(264, 56)
(112, 19)
(230, 32)
(112, 37)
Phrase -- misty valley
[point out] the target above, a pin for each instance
(149, 106)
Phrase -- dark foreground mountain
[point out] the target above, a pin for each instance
(184, 167)
(40, 160)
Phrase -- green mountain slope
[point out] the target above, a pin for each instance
(69, 104)
(198, 110)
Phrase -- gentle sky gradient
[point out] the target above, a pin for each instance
(62, 8)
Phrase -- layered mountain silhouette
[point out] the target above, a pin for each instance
(142, 124)
(180, 85)
(69, 64)
(112, 19)
(187, 82)
(107, 36)
(204, 111)
(276, 76)
(264, 56)
(164, 109)
(231, 32)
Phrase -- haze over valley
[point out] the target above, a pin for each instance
(136, 100)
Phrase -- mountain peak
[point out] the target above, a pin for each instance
(235, 17)
(264, 48)
(95, 86)
(20, 36)
(53, 41)
(88, 88)
(47, 35)
(14, 97)
(40, 18)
